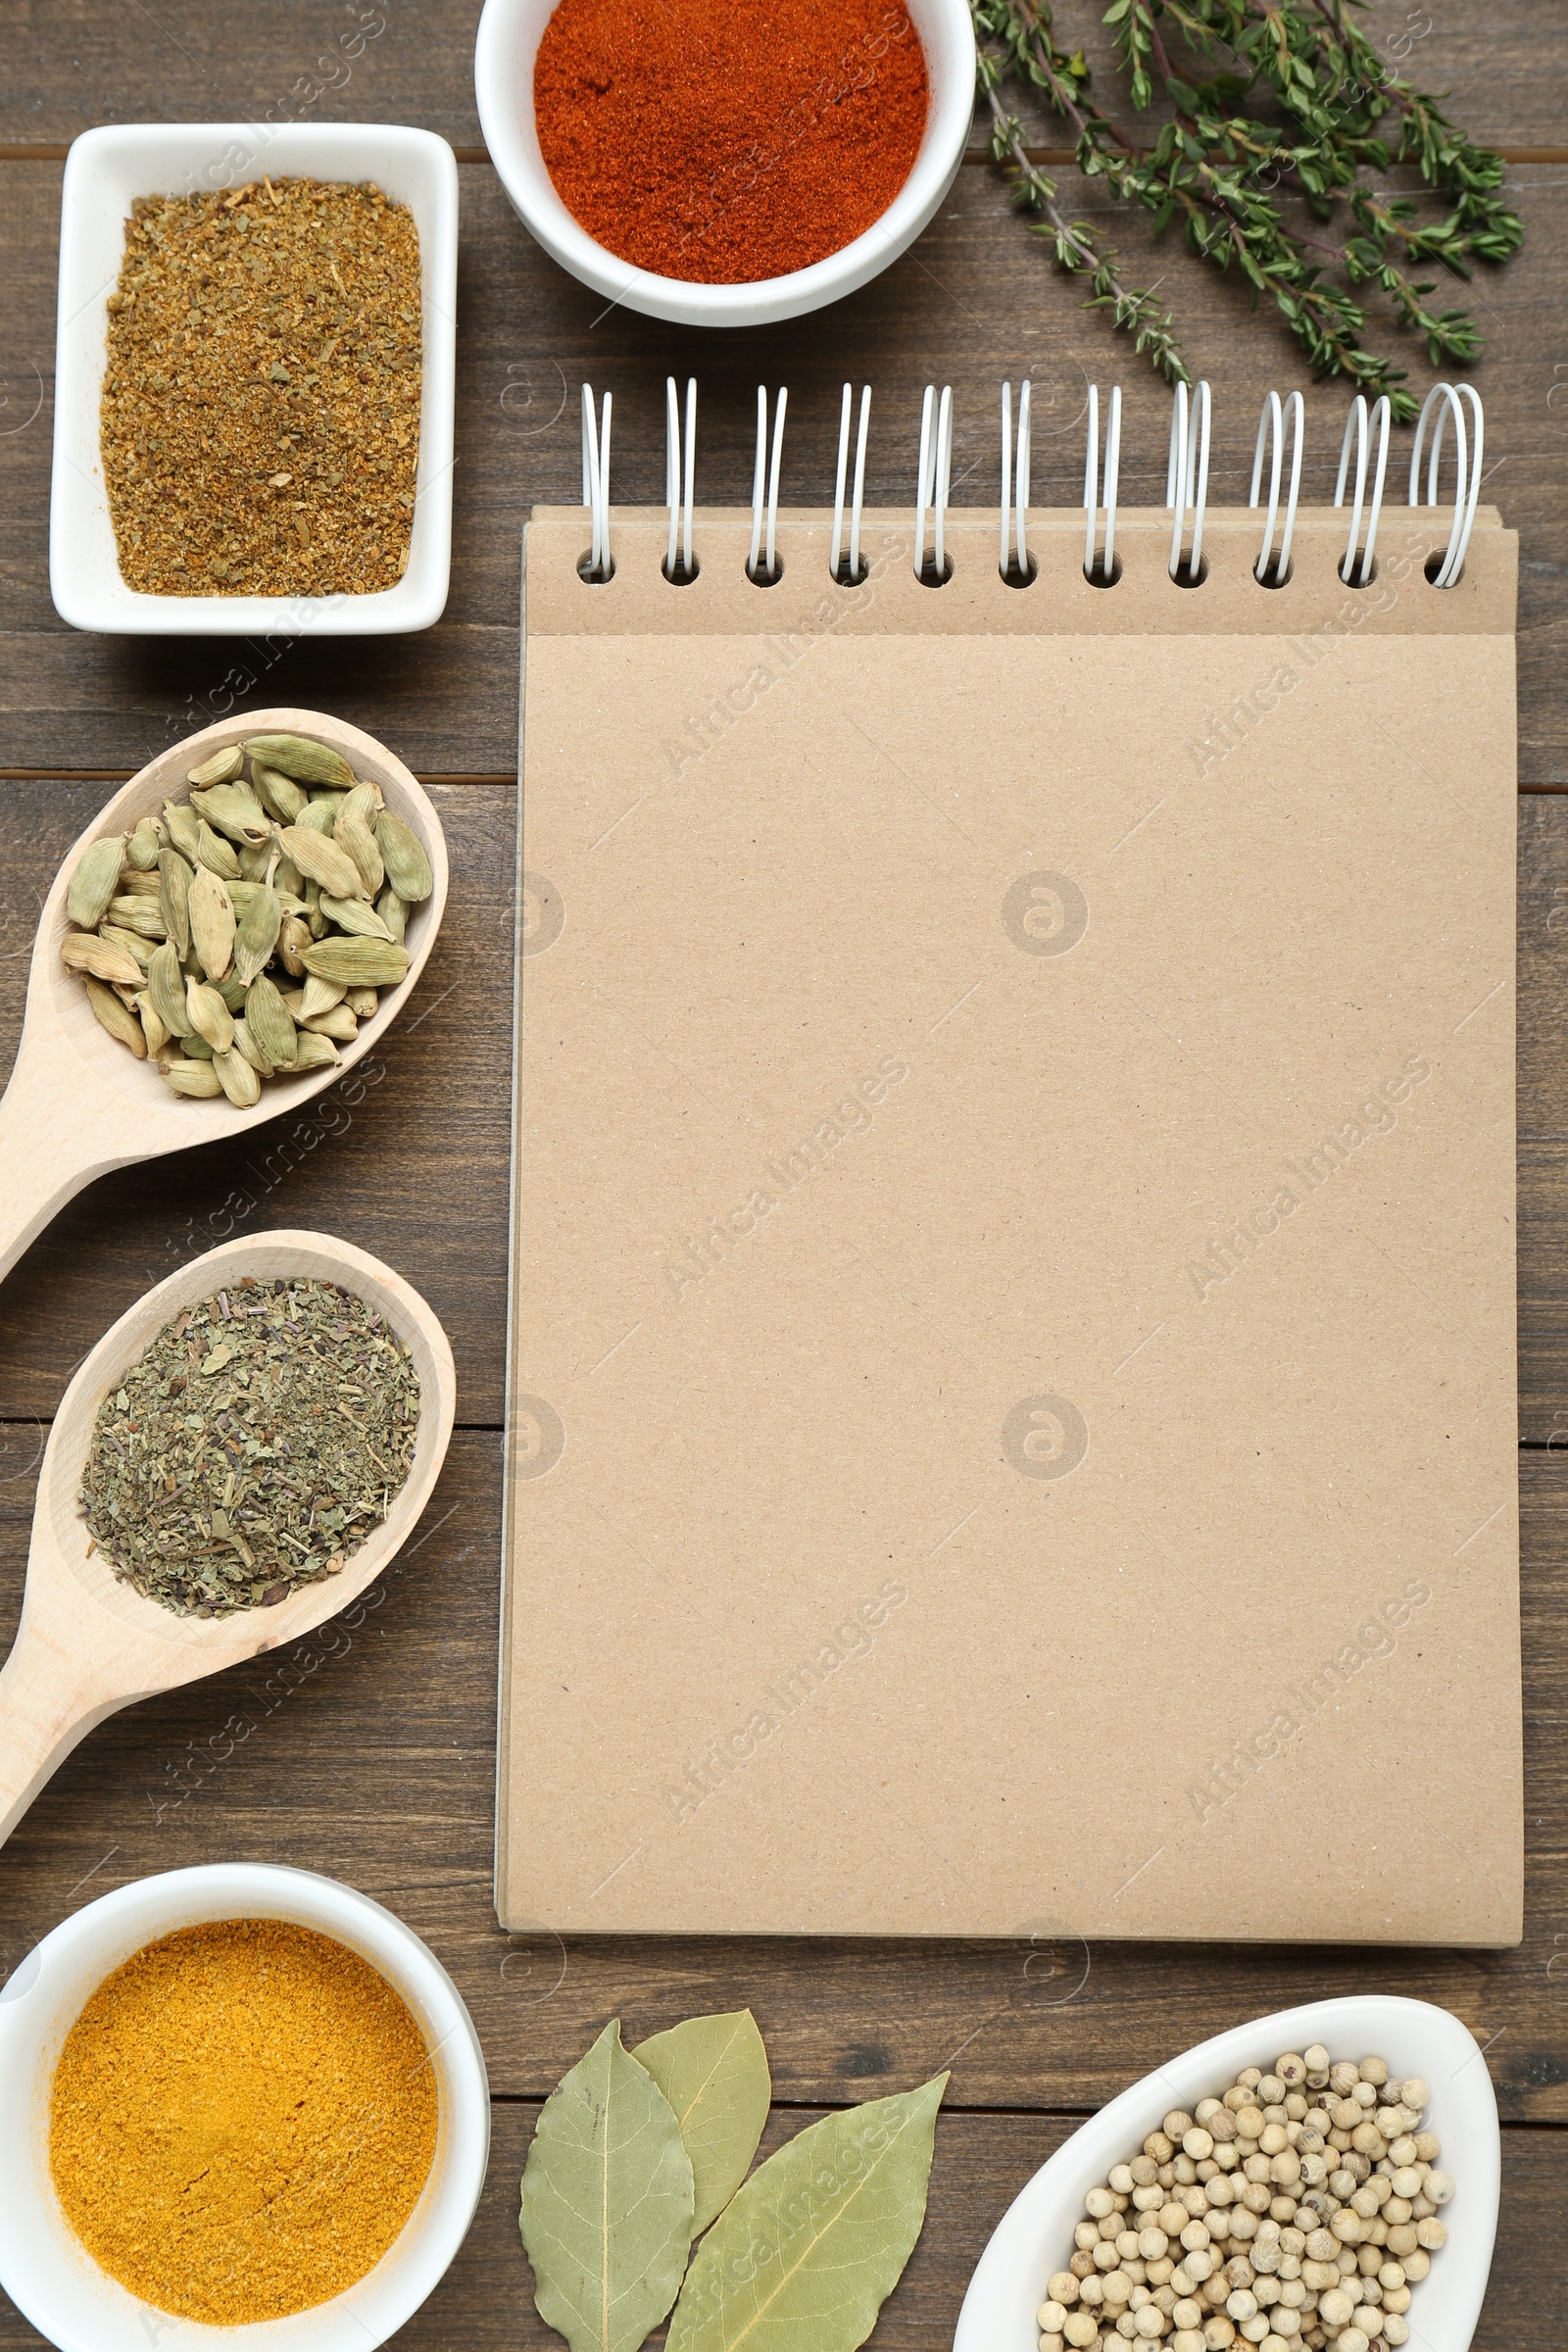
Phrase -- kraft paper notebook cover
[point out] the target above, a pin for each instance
(1012, 1423)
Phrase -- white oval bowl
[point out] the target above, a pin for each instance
(509, 32)
(44, 2268)
(1033, 2237)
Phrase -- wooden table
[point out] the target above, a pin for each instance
(367, 1752)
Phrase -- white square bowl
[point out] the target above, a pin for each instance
(106, 171)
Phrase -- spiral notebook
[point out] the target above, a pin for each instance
(1012, 1423)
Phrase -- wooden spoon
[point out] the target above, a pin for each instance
(78, 1104)
(89, 1643)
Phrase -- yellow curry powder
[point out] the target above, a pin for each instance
(242, 2120)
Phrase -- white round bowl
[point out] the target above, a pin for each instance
(509, 32)
(1034, 2236)
(44, 2268)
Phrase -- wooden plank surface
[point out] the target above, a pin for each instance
(974, 301)
(73, 63)
(367, 1752)
(419, 1163)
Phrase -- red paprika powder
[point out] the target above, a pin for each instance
(729, 140)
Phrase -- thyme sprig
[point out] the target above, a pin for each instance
(1336, 118)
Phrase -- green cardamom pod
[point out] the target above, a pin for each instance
(393, 910)
(141, 849)
(408, 869)
(356, 916)
(339, 1022)
(233, 809)
(212, 922)
(322, 861)
(362, 1000)
(143, 915)
(219, 768)
(319, 816)
(115, 1016)
(257, 934)
(153, 1029)
(233, 991)
(352, 833)
(315, 1052)
(143, 950)
(175, 879)
(197, 1047)
(215, 853)
(196, 1080)
(358, 962)
(279, 793)
(255, 859)
(293, 938)
(246, 1047)
(269, 1023)
(95, 880)
(103, 958)
(296, 755)
(135, 885)
(165, 987)
(183, 825)
(318, 995)
(210, 1016)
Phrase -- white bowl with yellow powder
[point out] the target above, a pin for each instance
(45, 2267)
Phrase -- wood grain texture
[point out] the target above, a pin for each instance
(416, 1168)
(407, 1156)
(75, 64)
(981, 2163)
(366, 1750)
(975, 300)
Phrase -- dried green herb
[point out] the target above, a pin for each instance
(714, 2072)
(636, 2146)
(816, 2239)
(252, 1449)
(606, 2202)
(1271, 99)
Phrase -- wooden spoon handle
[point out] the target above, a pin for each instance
(46, 1156)
(44, 1712)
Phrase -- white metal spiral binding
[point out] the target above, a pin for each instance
(859, 494)
(1467, 451)
(680, 477)
(1360, 423)
(596, 484)
(1187, 478)
(771, 567)
(1271, 434)
(936, 475)
(1016, 520)
(1105, 559)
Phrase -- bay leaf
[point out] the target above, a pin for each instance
(809, 2248)
(714, 2072)
(606, 2202)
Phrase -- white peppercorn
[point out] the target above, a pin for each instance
(1261, 2219)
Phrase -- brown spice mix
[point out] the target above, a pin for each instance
(241, 2121)
(260, 406)
(723, 142)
